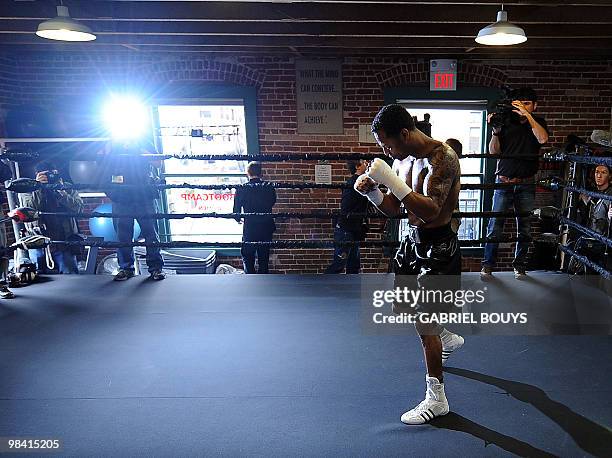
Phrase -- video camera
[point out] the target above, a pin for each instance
(503, 114)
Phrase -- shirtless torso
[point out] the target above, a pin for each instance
(438, 177)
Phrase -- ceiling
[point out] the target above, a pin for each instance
(556, 29)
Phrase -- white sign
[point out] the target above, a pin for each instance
(318, 91)
(323, 174)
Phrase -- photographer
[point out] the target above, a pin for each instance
(54, 227)
(516, 132)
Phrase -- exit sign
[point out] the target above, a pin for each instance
(443, 75)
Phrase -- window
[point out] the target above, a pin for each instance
(209, 127)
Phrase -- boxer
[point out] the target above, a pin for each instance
(425, 181)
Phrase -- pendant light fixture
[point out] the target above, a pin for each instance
(502, 32)
(64, 28)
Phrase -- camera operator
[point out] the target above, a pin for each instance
(54, 227)
(516, 132)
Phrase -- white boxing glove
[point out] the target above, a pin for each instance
(380, 172)
(365, 186)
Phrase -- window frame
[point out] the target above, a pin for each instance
(181, 93)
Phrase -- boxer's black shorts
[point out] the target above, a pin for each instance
(428, 259)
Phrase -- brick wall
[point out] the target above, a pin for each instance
(575, 97)
(8, 80)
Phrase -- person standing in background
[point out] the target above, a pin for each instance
(255, 198)
(349, 227)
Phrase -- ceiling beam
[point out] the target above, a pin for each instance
(438, 12)
(316, 52)
(309, 41)
(169, 28)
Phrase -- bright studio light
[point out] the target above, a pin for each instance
(126, 118)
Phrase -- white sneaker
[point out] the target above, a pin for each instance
(434, 405)
(450, 343)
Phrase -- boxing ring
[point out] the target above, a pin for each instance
(284, 365)
(281, 365)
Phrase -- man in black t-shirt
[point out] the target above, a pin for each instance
(256, 199)
(349, 227)
(522, 137)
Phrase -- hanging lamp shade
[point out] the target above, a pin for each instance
(501, 33)
(64, 28)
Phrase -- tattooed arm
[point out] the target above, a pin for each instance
(442, 174)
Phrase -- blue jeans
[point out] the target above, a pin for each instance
(521, 198)
(344, 256)
(65, 262)
(148, 231)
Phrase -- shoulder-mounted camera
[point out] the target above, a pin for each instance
(503, 114)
